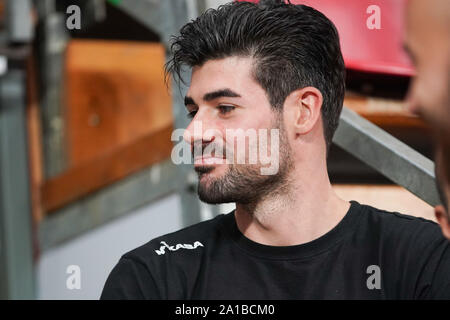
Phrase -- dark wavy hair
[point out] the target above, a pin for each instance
(294, 46)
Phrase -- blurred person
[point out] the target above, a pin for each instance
(427, 41)
(442, 168)
(278, 67)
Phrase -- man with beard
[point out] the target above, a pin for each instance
(279, 67)
(427, 40)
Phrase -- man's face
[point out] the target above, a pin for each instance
(223, 97)
(427, 42)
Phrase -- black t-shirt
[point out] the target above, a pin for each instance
(370, 254)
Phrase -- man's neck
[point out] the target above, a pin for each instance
(304, 213)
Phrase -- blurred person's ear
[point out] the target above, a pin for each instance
(443, 220)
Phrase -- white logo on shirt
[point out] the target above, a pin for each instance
(162, 249)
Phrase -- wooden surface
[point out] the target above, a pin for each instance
(33, 119)
(384, 112)
(118, 115)
(35, 164)
(115, 94)
(97, 173)
(386, 197)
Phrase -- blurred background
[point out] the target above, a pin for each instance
(86, 121)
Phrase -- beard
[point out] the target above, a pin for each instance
(243, 183)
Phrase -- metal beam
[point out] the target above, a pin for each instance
(18, 21)
(389, 156)
(53, 39)
(165, 17)
(16, 253)
(108, 203)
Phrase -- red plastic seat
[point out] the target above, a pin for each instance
(373, 51)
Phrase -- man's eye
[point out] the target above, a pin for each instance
(192, 114)
(226, 109)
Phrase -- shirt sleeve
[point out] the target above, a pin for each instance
(440, 285)
(434, 257)
(130, 280)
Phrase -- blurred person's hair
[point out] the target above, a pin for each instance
(294, 46)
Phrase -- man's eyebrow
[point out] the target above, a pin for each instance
(189, 101)
(213, 95)
(220, 93)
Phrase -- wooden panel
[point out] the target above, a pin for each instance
(92, 175)
(34, 141)
(115, 94)
(384, 112)
(2, 11)
(35, 164)
(118, 116)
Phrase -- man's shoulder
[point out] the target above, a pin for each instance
(149, 271)
(394, 224)
(188, 238)
(395, 217)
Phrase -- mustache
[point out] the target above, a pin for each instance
(210, 149)
(203, 169)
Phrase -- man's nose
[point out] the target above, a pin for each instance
(195, 132)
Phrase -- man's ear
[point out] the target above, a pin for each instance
(443, 220)
(302, 109)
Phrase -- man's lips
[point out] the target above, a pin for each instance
(202, 161)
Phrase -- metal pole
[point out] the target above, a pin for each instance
(53, 39)
(389, 156)
(18, 21)
(16, 253)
